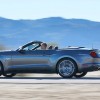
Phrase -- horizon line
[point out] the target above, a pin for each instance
(49, 17)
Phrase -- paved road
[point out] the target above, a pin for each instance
(49, 80)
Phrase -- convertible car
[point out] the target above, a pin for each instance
(67, 62)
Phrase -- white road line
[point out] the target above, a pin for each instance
(49, 81)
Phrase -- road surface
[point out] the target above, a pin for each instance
(49, 80)
(50, 88)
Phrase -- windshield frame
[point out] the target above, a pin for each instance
(28, 44)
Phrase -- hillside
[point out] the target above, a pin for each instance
(65, 32)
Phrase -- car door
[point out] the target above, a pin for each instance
(37, 61)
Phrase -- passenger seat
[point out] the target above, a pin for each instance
(56, 48)
(50, 47)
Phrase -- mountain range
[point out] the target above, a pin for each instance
(64, 32)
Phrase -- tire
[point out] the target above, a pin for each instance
(66, 68)
(5, 74)
(1, 69)
(0, 73)
(79, 75)
(9, 75)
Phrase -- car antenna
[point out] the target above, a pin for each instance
(92, 46)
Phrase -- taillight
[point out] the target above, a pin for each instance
(93, 54)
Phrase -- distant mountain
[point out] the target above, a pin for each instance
(65, 32)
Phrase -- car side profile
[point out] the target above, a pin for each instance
(67, 62)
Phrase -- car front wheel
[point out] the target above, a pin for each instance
(1, 69)
(66, 68)
(0, 73)
(9, 74)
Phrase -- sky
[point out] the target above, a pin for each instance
(37, 9)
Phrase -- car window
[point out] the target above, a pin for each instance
(31, 47)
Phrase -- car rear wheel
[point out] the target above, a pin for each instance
(79, 75)
(9, 74)
(66, 68)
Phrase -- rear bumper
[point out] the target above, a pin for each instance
(90, 67)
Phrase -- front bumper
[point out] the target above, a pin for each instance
(90, 67)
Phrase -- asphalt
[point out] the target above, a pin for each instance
(49, 80)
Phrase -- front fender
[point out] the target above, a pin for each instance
(5, 61)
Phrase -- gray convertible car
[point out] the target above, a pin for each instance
(67, 62)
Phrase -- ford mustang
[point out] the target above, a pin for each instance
(67, 62)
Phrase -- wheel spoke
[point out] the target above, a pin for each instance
(66, 67)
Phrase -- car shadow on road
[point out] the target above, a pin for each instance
(53, 78)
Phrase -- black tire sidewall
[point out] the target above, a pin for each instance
(2, 70)
(81, 75)
(5, 74)
(9, 75)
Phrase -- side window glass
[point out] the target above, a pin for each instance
(31, 47)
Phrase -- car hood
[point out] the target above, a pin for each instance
(6, 52)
